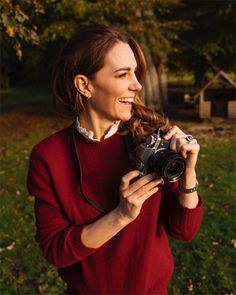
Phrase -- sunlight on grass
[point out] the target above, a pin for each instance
(207, 265)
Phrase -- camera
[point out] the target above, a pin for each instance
(155, 156)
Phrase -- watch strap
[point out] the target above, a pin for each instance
(189, 190)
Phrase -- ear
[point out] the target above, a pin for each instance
(81, 83)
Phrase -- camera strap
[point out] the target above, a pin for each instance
(128, 145)
(76, 155)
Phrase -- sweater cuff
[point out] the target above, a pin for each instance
(189, 215)
(185, 222)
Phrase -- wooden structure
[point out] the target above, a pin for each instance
(217, 98)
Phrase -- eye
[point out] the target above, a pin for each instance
(123, 75)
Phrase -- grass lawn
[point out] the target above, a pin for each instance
(205, 266)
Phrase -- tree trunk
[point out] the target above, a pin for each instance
(163, 82)
(155, 85)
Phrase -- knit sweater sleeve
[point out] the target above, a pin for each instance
(180, 222)
(59, 239)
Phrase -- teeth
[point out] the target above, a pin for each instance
(126, 99)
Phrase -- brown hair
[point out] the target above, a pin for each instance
(84, 54)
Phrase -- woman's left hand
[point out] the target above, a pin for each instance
(179, 143)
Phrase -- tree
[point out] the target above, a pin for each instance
(149, 21)
(16, 27)
(209, 42)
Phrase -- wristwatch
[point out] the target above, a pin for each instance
(189, 190)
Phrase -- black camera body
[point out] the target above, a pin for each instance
(156, 156)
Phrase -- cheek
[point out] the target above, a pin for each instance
(113, 88)
(106, 95)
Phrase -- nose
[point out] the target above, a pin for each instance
(135, 85)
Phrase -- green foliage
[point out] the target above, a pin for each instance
(149, 21)
(209, 42)
(196, 36)
(17, 28)
(16, 22)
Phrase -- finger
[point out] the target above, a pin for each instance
(148, 187)
(125, 180)
(173, 130)
(189, 149)
(139, 201)
(180, 142)
(142, 182)
(145, 189)
(176, 142)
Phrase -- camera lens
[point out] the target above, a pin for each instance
(168, 164)
(174, 169)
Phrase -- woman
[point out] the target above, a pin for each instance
(104, 227)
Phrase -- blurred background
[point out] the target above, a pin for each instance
(190, 50)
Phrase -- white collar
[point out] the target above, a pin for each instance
(90, 134)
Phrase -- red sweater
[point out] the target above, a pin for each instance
(138, 259)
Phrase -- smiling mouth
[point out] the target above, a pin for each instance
(126, 100)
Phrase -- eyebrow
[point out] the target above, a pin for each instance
(124, 69)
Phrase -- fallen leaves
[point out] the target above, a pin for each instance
(8, 248)
(190, 286)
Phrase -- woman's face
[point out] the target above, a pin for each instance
(115, 85)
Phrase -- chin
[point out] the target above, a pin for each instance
(123, 113)
(125, 118)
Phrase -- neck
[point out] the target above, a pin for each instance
(95, 124)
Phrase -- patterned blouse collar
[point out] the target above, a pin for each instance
(90, 134)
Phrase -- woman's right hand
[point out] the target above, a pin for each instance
(132, 197)
(134, 194)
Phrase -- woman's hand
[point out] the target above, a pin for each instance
(189, 149)
(179, 144)
(133, 195)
